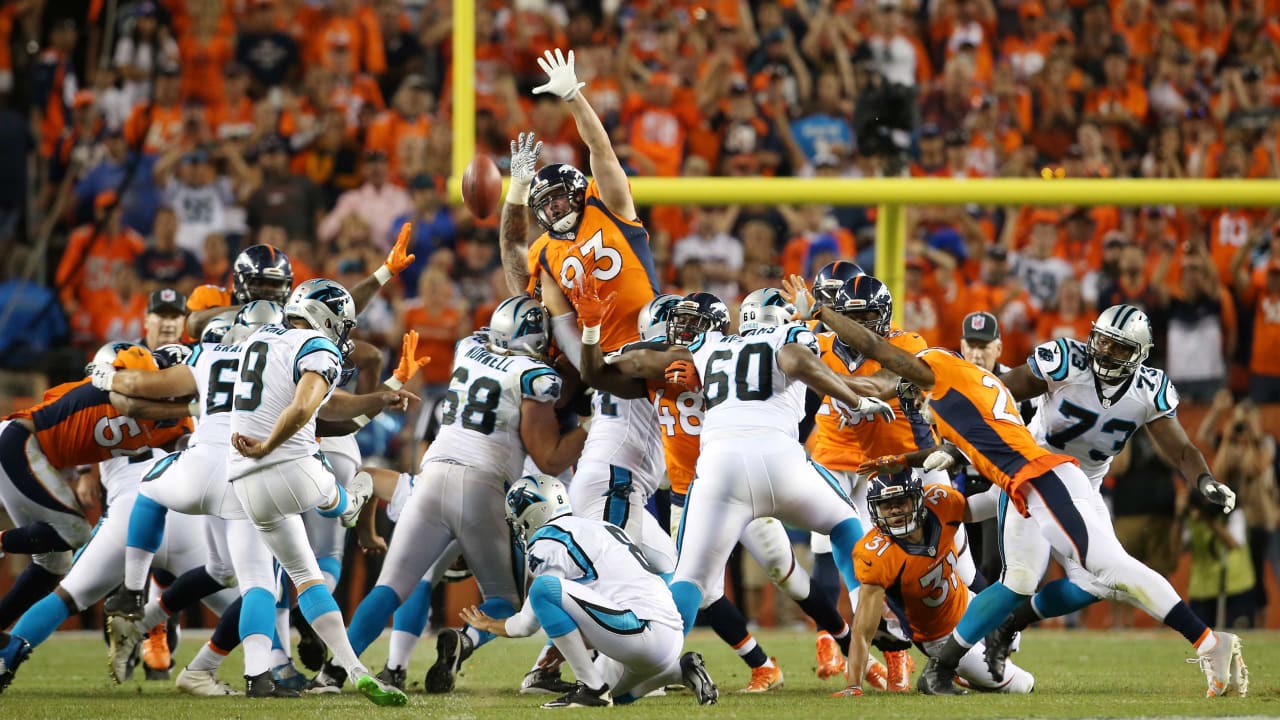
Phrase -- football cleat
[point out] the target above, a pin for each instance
(125, 603)
(850, 691)
(765, 678)
(830, 660)
(287, 676)
(380, 693)
(122, 643)
(203, 683)
(453, 647)
(13, 652)
(998, 646)
(937, 680)
(155, 653)
(328, 681)
(262, 686)
(877, 675)
(1224, 667)
(583, 696)
(359, 490)
(540, 680)
(898, 664)
(311, 649)
(696, 678)
(395, 677)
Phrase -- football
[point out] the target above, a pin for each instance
(481, 186)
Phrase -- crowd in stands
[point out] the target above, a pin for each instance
(171, 133)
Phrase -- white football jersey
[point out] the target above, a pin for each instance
(1042, 278)
(480, 421)
(742, 385)
(602, 557)
(272, 360)
(215, 368)
(1072, 419)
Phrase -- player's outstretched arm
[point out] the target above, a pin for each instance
(865, 622)
(141, 409)
(513, 230)
(1023, 383)
(171, 382)
(346, 406)
(605, 377)
(550, 450)
(562, 80)
(894, 359)
(651, 364)
(1176, 448)
(397, 260)
(802, 364)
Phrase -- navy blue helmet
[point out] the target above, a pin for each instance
(863, 294)
(832, 277)
(886, 489)
(261, 272)
(558, 181)
(697, 313)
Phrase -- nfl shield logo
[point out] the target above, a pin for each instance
(979, 322)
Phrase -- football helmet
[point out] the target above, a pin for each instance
(107, 353)
(519, 326)
(865, 293)
(697, 313)
(172, 354)
(261, 272)
(535, 500)
(326, 307)
(889, 488)
(832, 277)
(1119, 342)
(556, 181)
(217, 327)
(654, 316)
(251, 317)
(765, 308)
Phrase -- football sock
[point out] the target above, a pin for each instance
(34, 583)
(226, 634)
(688, 597)
(331, 568)
(1058, 598)
(37, 624)
(542, 655)
(843, 639)
(408, 624)
(33, 539)
(146, 532)
(575, 652)
(188, 589)
(401, 648)
(257, 625)
(338, 504)
(826, 577)
(823, 612)
(152, 615)
(496, 608)
(321, 610)
(208, 658)
(1194, 629)
(729, 624)
(843, 537)
(257, 654)
(986, 611)
(371, 617)
(282, 628)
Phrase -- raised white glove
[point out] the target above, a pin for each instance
(524, 166)
(939, 460)
(875, 407)
(101, 375)
(804, 305)
(561, 78)
(1217, 493)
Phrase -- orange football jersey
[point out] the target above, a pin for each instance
(77, 425)
(976, 412)
(846, 448)
(208, 296)
(616, 251)
(680, 419)
(922, 579)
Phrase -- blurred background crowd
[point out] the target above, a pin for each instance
(143, 143)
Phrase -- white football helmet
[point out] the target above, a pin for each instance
(1119, 342)
(535, 500)
(519, 326)
(653, 317)
(325, 306)
(765, 308)
(107, 353)
(252, 316)
(217, 327)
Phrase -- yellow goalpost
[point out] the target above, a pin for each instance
(889, 195)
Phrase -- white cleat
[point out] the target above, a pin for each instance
(122, 640)
(359, 490)
(203, 683)
(1224, 667)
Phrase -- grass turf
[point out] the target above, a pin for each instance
(1078, 674)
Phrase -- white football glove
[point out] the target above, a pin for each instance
(561, 78)
(101, 375)
(524, 166)
(867, 407)
(939, 460)
(1217, 493)
(804, 305)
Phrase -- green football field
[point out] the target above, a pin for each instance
(1078, 674)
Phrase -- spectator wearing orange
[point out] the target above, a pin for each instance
(55, 84)
(162, 118)
(401, 132)
(441, 320)
(1119, 106)
(164, 264)
(205, 53)
(1028, 47)
(933, 154)
(233, 114)
(1069, 318)
(966, 26)
(74, 145)
(895, 53)
(920, 309)
(560, 142)
(117, 313)
(353, 91)
(1262, 296)
(999, 293)
(88, 267)
(355, 25)
(656, 128)
(377, 202)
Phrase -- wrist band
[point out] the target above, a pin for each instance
(518, 192)
(591, 335)
(393, 382)
(361, 421)
(1201, 480)
(193, 408)
(383, 275)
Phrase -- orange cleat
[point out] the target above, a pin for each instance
(155, 649)
(877, 675)
(830, 662)
(898, 662)
(765, 678)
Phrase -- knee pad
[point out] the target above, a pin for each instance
(1020, 578)
(58, 563)
(767, 541)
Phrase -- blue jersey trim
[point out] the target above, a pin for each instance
(1060, 373)
(315, 344)
(576, 553)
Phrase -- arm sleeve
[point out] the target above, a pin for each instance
(523, 623)
(565, 330)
